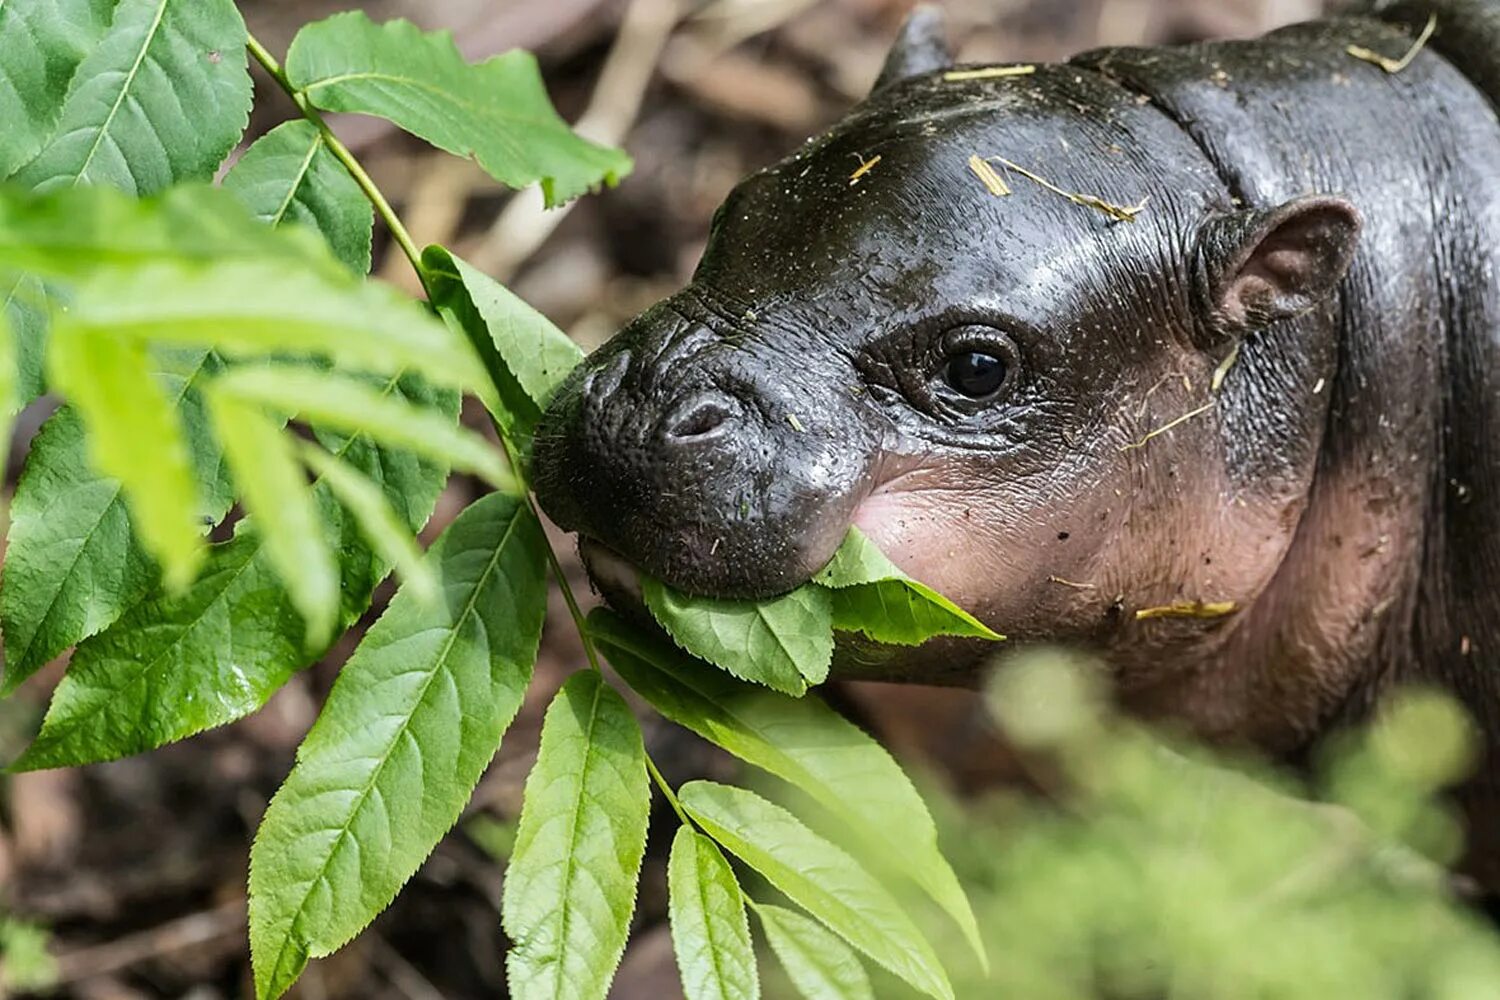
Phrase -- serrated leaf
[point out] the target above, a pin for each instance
(161, 98)
(515, 413)
(134, 436)
(383, 528)
(819, 877)
(785, 643)
(411, 723)
(288, 175)
(816, 960)
(175, 665)
(803, 742)
(871, 595)
(25, 307)
(41, 44)
(72, 562)
(495, 111)
(710, 934)
(276, 493)
(526, 355)
(328, 399)
(570, 886)
(73, 565)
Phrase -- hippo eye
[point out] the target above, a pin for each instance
(975, 374)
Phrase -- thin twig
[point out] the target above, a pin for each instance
(989, 177)
(1222, 370)
(1394, 66)
(988, 73)
(864, 168)
(193, 930)
(1121, 213)
(1167, 426)
(1188, 609)
(666, 790)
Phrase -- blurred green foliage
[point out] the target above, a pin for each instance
(1156, 869)
(25, 963)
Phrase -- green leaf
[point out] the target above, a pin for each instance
(175, 270)
(175, 665)
(366, 326)
(819, 964)
(819, 877)
(383, 527)
(288, 175)
(25, 306)
(161, 98)
(785, 643)
(327, 399)
(803, 742)
(72, 562)
(526, 355)
(41, 44)
(496, 111)
(72, 234)
(872, 595)
(710, 934)
(411, 723)
(276, 493)
(10, 401)
(135, 436)
(570, 887)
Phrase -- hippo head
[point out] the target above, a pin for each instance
(1006, 379)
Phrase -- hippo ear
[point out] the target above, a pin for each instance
(1259, 267)
(922, 47)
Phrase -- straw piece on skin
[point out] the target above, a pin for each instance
(989, 177)
(1394, 66)
(988, 73)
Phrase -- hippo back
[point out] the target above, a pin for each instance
(1468, 34)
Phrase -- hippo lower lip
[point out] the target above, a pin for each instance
(617, 579)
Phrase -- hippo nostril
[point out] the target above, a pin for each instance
(697, 418)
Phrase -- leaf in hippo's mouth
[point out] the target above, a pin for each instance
(871, 595)
(786, 643)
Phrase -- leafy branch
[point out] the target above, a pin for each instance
(200, 323)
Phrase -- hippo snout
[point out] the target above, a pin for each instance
(723, 470)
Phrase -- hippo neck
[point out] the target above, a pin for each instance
(1385, 578)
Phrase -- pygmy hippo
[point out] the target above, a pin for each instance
(1189, 356)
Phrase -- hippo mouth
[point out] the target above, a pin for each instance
(616, 579)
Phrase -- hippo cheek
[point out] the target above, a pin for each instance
(1024, 557)
(717, 493)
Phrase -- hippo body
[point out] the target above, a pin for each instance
(1217, 340)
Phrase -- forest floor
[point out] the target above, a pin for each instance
(137, 868)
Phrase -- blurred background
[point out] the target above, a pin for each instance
(126, 880)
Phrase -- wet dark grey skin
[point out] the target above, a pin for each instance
(975, 380)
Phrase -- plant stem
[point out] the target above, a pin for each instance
(563, 585)
(341, 152)
(666, 790)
